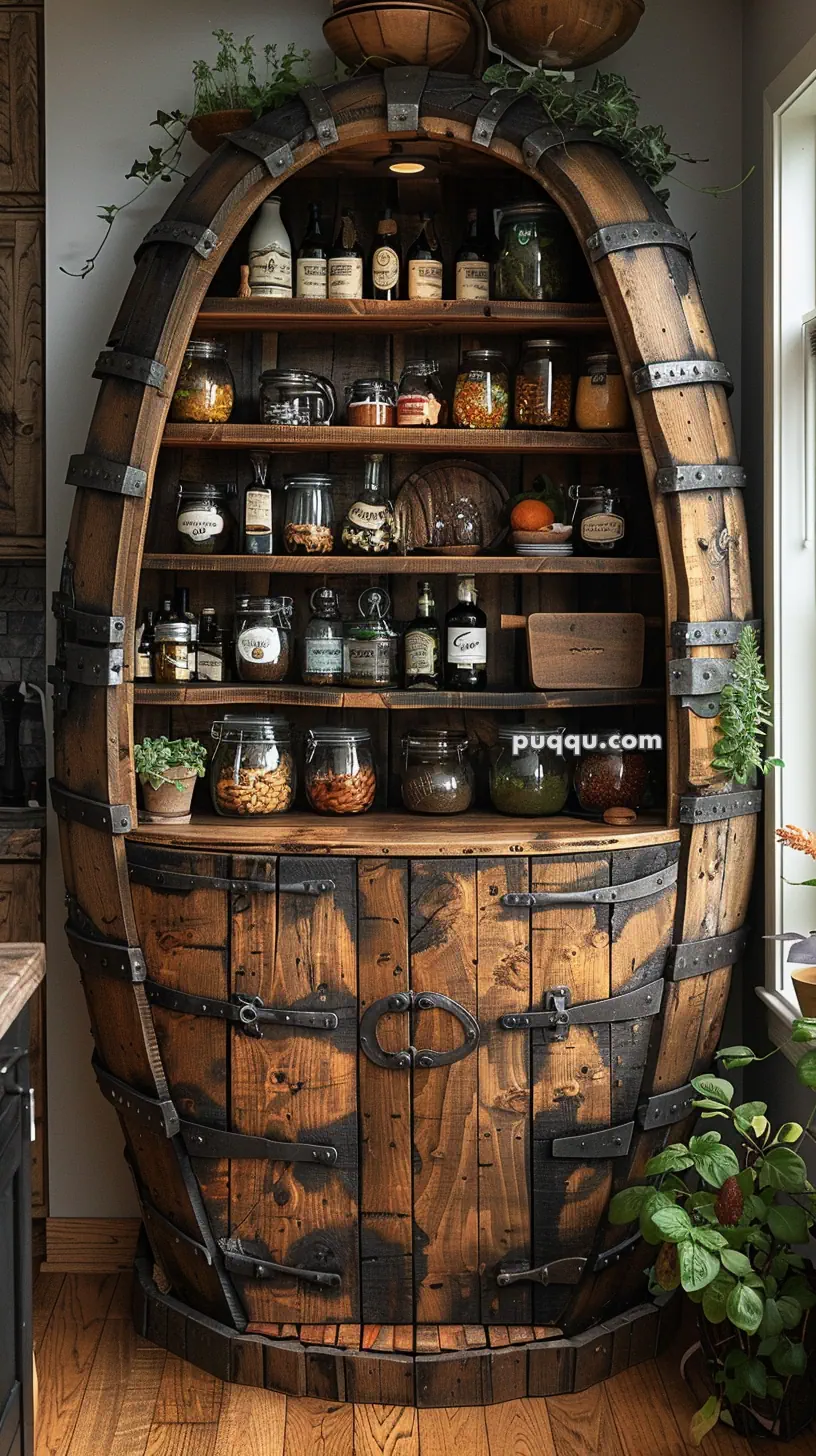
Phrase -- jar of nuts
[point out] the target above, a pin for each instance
(609, 778)
(253, 768)
(543, 396)
(309, 526)
(340, 773)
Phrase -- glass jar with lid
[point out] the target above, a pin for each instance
(602, 401)
(202, 518)
(340, 775)
(598, 521)
(421, 399)
(481, 399)
(296, 397)
(528, 771)
(543, 393)
(171, 652)
(263, 639)
(437, 774)
(537, 254)
(370, 643)
(205, 388)
(253, 768)
(309, 524)
(323, 640)
(371, 403)
(610, 778)
(370, 525)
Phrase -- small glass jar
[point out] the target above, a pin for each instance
(253, 768)
(421, 399)
(437, 775)
(528, 771)
(370, 644)
(205, 388)
(171, 652)
(296, 397)
(340, 773)
(323, 640)
(537, 254)
(202, 518)
(263, 639)
(309, 525)
(371, 403)
(481, 399)
(602, 402)
(599, 525)
(543, 394)
(607, 778)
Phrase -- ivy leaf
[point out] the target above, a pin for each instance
(783, 1168)
(705, 1419)
(626, 1205)
(788, 1223)
(698, 1266)
(744, 1307)
(714, 1087)
(673, 1222)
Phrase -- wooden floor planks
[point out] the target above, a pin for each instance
(104, 1391)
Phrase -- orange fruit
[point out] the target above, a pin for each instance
(531, 515)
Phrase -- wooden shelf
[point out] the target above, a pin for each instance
(449, 316)
(394, 833)
(417, 565)
(22, 548)
(334, 438)
(298, 695)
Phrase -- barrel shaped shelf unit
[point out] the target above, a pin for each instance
(387, 1178)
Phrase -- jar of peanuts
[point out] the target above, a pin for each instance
(481, 399)
(252, 772)
(340, 773)
(543, 395)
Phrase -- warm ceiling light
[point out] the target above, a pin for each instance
(406, 166)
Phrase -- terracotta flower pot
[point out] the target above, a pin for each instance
(398, 33)
(167, 804)
(209, 131)
(562, 34)
(804, 984)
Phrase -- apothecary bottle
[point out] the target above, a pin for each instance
(252, 772)
(270, 253)
(263, 639)
(386, 258)
(202, 518)
(423, 655)
(312, 259)
(212, 666)
(143, 667)
(323, 640)
(205, 388)
(466, 641)
(309, 526)
(345, 275)
(424, 262)
(599, 524)
(473, 264)
(340, 776)
(257, 533)
(370, 525)
(370, 643)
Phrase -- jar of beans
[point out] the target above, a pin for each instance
(481, 399)
(253, 768)
(543, 395)
(263, 639)
(340, 773)
(437, 775)
(607, 778)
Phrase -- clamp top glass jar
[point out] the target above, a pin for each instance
(263, 639)
(253, 768)
(340, 773)
(202, 517)
(528, 771)
(537, 255)
(421, 399)
(481, 399)
(437, 775)
(371, 402)
(309, 525)
(205, 388)
(296, 397)
(543, 395)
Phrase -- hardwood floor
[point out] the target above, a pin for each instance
(106, 1392)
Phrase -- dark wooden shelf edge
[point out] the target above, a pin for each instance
(418, 564)
(334, 438)
(405, 316)
(395, 699)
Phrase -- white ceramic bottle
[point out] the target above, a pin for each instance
(270, 253)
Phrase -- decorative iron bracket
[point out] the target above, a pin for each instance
(202, 240)
(276, 155)
(610, 1257)
(666, 1107)
(491, 114)
(247, 1013)
(685, 635)
(320, 114)
(107, 957)
(78, 809)
(130, 366)
(404, 88)
(605, 895)
(411, 1057)
(608, 1142)
(97, 472)
(546, 139)
(698, 682)
(175, 880)
(619, 237)
(560, 1271)
(700, 957)
(679, 373)
(709, 808)
(237, 1262)
(559, 1014)
(677, 479)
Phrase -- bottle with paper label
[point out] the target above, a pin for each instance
(466, 641)
(423, 657)
(270, 253)
(473, 264)
(258, 540)
(386, 259)
(345, 273)
(425, 270)
(312, 259)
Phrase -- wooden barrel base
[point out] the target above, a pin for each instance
(484, 1373)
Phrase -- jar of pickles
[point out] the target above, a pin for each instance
(437, 775)
(263, 639)
(528, 771)
(481, 399)
(309, 525)
(537, 254)
(340, 773)
(202, 518)
(205, 389)
(252, 772)
(543, 393)
(602, 402)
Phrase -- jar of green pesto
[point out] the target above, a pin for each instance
(528, 771)
(537, 254)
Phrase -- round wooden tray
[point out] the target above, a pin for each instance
(437, 487)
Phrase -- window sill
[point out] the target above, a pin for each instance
(781, 1015)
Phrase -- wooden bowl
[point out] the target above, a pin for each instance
(553, 535)
(559, 33)
(209, 131)
(383, 33)
(804, 984)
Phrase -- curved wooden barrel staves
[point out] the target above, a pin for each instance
(420, 1200)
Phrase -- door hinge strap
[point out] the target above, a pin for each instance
(607, 1142)
(248, 1013)
(90, 667)
(666, 1108)
(107, 957)
(698, 682)
(195, 235)
(618, 237)
(404, 88)
(237, 1262)
(276, 154)
(685, 635)
(176, 880)
(710, 808)
(91, 627)
(97, 472)
(613, 1256)
(78, 809)
(679, 374)
(559, 1015)
(152, 1216)
(605, 895)
(677, 479)
(560, 1271)
(491, 114)
(700, 957)
(121, 365)
(320, 114)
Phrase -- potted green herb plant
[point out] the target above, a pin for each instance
(726, 1226)
(168, 769)
(745, 715)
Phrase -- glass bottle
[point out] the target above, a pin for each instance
(423, 657)
(171, 652)
(370, 644)
(473, 264)
(166, 614)
(425, 262)
(466, 641)
(144, 648)
(370, 525)
(323, 640)
(210, 659)
(386, 262)
(599, 523)
(345, 270)
(257, 532)
(312, 259)
(183, 614)
(270, 253)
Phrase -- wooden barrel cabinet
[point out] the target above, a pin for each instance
(378, 1077)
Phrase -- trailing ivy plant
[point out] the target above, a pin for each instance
(728, 1237)
(158, 760)
(745, 715)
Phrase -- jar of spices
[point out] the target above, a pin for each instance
(323, 640)
(528, 771)
(537, 254)
(205, 388)
(171, 652)
(371, 403)
(340, 773)
(202, 517)
(481, 400)
(607, 778)
(599, 525)
(437, 775)
(253, 768)
(421, 399)
(602, 402)
(263, 639)
(543, 396)
(370, 644)
(309, 525)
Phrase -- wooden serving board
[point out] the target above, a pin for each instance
(436, 488)
(583, 649)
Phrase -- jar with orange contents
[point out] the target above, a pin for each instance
(481, 400)
(602, 402)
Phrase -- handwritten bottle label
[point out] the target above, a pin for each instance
(473, 280)
(467, 646)
(200, 523)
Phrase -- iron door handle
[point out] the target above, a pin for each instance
(412, 1056)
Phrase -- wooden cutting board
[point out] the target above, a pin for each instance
(583, 649)
(437, 487)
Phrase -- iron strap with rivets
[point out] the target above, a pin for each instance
(560, 1271)
(491, 114)
(176, 880)
(238, 1262)
(248, 1013)
(276, 154)
(604, 895)
(96, 472)
(676, 479)
(404, 88)
(609, 1257)
(130, 366)
(700, 957)
(679, 373)
(152, 1217)
(620, 236)
(607, 1142)
(107, 957)
(88, 626)
(195, 235)
(666, 1108)
(709, 808)
(685, 635)
(559, 1014)
(114, 818)
(320, 114)
(698, 682)
(546, 139)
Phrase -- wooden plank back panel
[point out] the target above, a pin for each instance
(21, 399)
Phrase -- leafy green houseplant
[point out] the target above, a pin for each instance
(726, 1226)
(745, 715)
(168, 769)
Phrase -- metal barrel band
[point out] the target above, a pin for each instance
(685, 635)
(411, 1056)
(107, 957)
(677, 479)
(559, 1014)
(701, 957)
(560, 1271)
(679, 373)
(710, 808)
(194, 235)
(607, 1142)
(120, 365)
(546, 138)
(156, 1114)
(276, 154)
(609, 1257)
(91, 627)
(698, 682)
(321, 116)
(404, 89)
(666, 1108)
(491, 114)
(238, 1262)
(215, 1142)
(152, 1216)
(247, 1013)
(97, 472)
(78, 809)
(179, 881)
(605, 895)
(619, 237)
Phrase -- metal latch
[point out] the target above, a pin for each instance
(237, 1262)
(560, 1271)
(411, 1057)
(559, 1014)
(605, 895)
(247, 1013)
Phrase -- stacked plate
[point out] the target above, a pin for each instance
(563, 549)
(552, 542)
(398, 32)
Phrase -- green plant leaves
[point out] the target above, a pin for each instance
(673, 1222)
(772, 1324)
(714, 1088)
(705, 1419)
(789, 1132)
(788, 1223)
(789, 1357)
(657, 1199)
(806, 1069)
(744, 1308)
(784, 1169)
(736, 1263)
(745, 713)
(674, 1159)
(716, 1295)
(698, 1266)
(736, 1056)
(712, 1160)
(747, 1114)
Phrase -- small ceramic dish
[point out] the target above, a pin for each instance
(549, 535)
